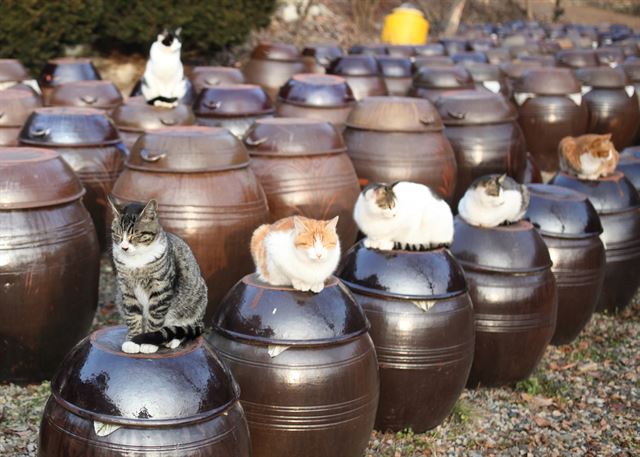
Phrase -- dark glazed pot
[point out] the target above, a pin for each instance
(484, 135)
(432, 82)
(317, 398)
(422, 325)
(429, 49)
(577, 58)
(64, 70)
(235, 107)
(613, 104)
(469, 57)
(550, 107)
(271, 65)
(430, 61)
(400, 139)
(490, 77)
(362, 73)
(609, 56)
(202, 77)
(135, 117)
(304, 169)
(207, 195)
(175, 402)
(498, 56)
(15, 108)
(50, 263)
(397, 74)
(570, 227)
(516, 70)
(89, 142)
(12, 71)
(454, 45)
(317, 57)
(630, 165)
(103, 95)
(508, 271)
(618, 205)
(323, 97)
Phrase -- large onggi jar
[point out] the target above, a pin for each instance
(15, 108)
(50, 263)
(271, 65)
(207, 195)
(362, 73)
(202, 77)
(102, 95)
(432, 81)
(64, 70)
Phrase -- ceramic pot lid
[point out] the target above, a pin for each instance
(324, 54)
(322, 91)
(602, 77)
(89, 94)
(276, 51)
(215, 76)
(354, 65)
(395, 114)
(12, 70)
(395, 67)
(608, 195)
(16, 106)
(474, 107)
(548, 81)
(67, 69)
(136, 115)
(237, 100)
(443, 77)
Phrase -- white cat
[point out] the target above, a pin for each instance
(163, 83)
(403, 215)
(296, 251)
(493, 200)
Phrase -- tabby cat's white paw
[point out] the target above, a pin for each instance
(174, 343)
(317, 288)
(130, 347)
(148, 348)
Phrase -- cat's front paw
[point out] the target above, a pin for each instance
(300, 285)
(386, 245)
(174, 343)
(148, 348)
(369, 243)
(317, 288)
(130, 347)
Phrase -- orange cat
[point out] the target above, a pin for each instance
(588, 156)
(296, 251)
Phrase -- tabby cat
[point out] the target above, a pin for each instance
(162, 295)
(588, 156)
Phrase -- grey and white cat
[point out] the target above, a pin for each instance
(163, 83)
(162, 295)
(403, 215)
(494, 200)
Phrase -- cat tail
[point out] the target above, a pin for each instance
(166, 334)
(160, 98)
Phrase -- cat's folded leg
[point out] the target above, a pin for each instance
(130, 347)
(300, 285)
(369, 243)
(317, 288)
(386, 245)
(174, 343)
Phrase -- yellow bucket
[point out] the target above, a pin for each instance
(405, 26)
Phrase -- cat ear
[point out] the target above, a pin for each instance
(178, 32)
(607, 137)
(502, 177)
(114, 207)
(150, 211)
(332, 224)
(298, 223)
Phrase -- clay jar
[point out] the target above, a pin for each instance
(397, 74)
(508, 271)
(516, 70)
(400, 139)
(64, 70)
(317, 57)
(431, 82)
(271, 65)
(103, 95)
(106, 403)
(323, 97)
(306, 367)
(618, 205)
(15, 108)
(577, 58)
(422, 325)
(202, 77)
(362, 74)
(485, 136)
(50, 263)
(550, 107)
(12, 72)
(304, 169)
(630, 165)
(570, 227)
(207, 195)
(488, 76)
(612, 102)
(89, 142)
(135, 117)
(234, 107)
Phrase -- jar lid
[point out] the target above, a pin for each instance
(174, 387)
(473, 107)
(548, 81)
(428, 275)
(516, 69)
(323, 91)
(395, 114)
(68, 126)
(608, 195)
(276, 51)
(35, 178)
(443, 77)
(429, 49)
(290, 137)
(233, 100)
(395, 67)
(67, 69)
(324, 54)
(632, 69)
(484, 71)
(12, 70)
(136, 115)
(263, 314)
(215, 76)
(354, 65)
(577, 58)
(602, 77)
(16, 106)
(88, 94)
(469, 56)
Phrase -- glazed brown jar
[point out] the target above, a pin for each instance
(13, 75)
(234, 107)
(609, 56)
(103, 95)
(469, 57)
(516, 70)
(454, 45)
(15, 108)
(498, 56)
(429, 49)
(106, 403)
(630, 165)
(89, 142)
(207, 195)
(323, 97)
(306, 367)
(136, 116)
(271, 65)
(618, 205)
(489, 77)
(431, 82)
(430, 61)
(397, 74)
(304, 169)
(577, 58)
(50, 263)
(317, 57)
(362, 73)
(613, 104)
(64, 70)
(485, 136)
(400, 139)
(570, 227)
(508, 271)
(550, 107)
(422, 325)
(202, 77)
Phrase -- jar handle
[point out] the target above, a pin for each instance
(427, 121)
(212, 81)
(39, 133)
(211, 104)
(150, 158)
(89, 99)
(168, 122)
(251, 142)
(457, 115)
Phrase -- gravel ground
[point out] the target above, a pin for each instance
(584, 400)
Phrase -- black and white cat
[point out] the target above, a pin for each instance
(404, 215)
(163, 83)
(494, 200)
(162, 295)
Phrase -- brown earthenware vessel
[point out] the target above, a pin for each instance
(577, 58)
(469, 57)
(515, 70)
(362, 73)
(498, 56)
(397, 74)
(317, 57)
(430, 61)
(630, 165)
(306, 367)
(422, 325)
(64, 70)
(490, 77)
(103, 95)
(202, 77)
(106, 403)
(454, 45)
(432, 82)
(15, 108)
(50, 263)
(609, 56)
(271, 65)
(570, 227)
(429, 49)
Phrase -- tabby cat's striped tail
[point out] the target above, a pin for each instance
(166, 334)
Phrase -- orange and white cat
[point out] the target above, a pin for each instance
(588, 156)
(296, 251)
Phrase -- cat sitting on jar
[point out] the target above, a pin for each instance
(588, 156)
